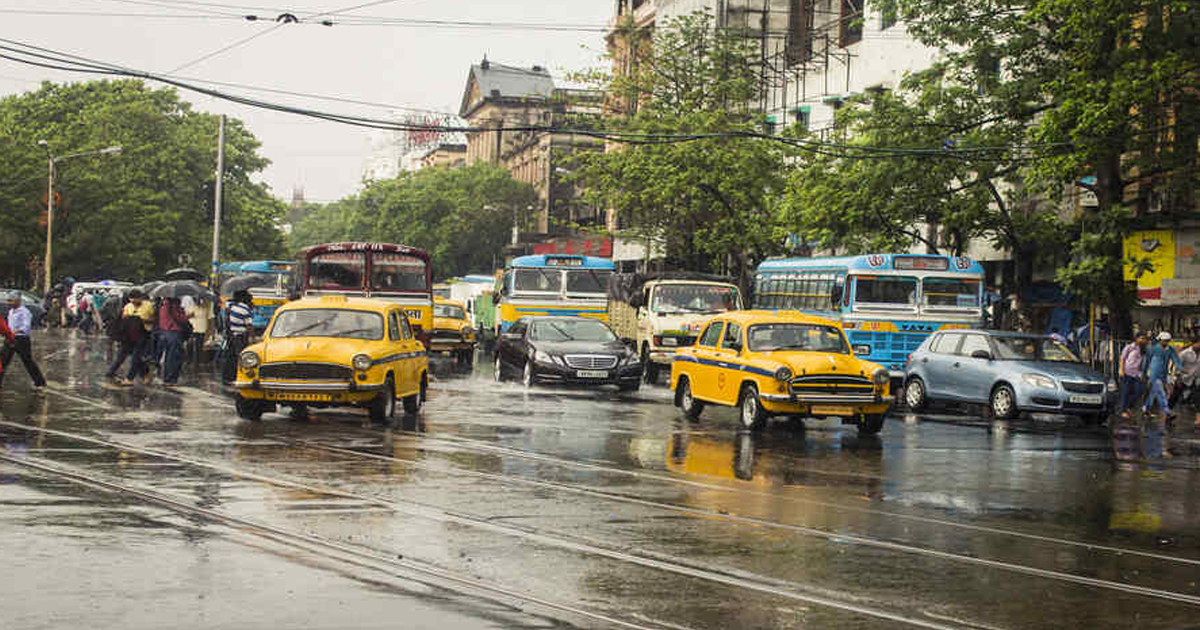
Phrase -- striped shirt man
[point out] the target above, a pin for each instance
(240, 318)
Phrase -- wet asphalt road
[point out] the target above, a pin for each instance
(501, 508)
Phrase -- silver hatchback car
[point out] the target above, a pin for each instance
(1008, 372)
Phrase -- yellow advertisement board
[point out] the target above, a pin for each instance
(1150, 259)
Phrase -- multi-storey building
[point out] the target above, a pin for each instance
(514, 113)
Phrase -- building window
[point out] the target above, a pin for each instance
(851, 22)
(887, 18)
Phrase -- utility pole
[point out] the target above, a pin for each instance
(49, 223)
(216, 250)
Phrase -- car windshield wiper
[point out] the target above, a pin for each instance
(793, 346)
(562, 332)
(304, 329)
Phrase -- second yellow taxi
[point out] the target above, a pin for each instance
(452, 331)
(770, 363)
(334, 351)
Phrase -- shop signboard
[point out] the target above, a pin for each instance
(1187, 254)
(1181, 292)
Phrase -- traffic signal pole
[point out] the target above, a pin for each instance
(216, 248)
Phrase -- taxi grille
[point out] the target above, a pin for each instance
(442, 334)
(832, 384)
(305, 371)
(590, 361)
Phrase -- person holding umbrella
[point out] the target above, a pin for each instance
(239, 318)
(173, 325)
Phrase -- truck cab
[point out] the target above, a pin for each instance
(663, 312)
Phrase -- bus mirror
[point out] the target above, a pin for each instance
(637, 300)
(495, 298)
(835, 294)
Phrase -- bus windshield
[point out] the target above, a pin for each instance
(398, 272)
(449, 311)
(692, 298)
(950, 292)
(537, 281)
(887, 290)
(340, 270)
(588, 281)
(274, 282)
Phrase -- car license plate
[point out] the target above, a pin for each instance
(298, 397)
(591, 374)
(670, 341)
(832, 411)
(1090, 399)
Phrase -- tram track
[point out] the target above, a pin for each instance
(661, 562)
(729, 577)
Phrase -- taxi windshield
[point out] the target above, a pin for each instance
(449, 311)
(692, 298)
(328, 322)
(801, 337)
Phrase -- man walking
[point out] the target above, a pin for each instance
(1158, 359)
(172, 327)
(1130, 370)
(238, 319)
(20, 321)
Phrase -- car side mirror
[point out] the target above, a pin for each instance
(982, 354)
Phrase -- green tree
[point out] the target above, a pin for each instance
(1113, 86)
(136, 214)
(709, 199)
(461, 216)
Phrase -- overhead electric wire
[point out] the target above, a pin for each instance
(229, 47)
(61, 61)
(178, 16)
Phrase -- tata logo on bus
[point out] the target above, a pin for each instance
(917, 327)
(875, 260)
(563, 261)
(962, 264)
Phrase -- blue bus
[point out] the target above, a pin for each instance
(268, 281)
(553, 284)
(887, 303)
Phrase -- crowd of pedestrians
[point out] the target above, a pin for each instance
(1147, 381)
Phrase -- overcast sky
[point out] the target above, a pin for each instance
(423, 67)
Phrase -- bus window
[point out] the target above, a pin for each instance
(341, 270)
(398, 272)
(950, 292)
(885, 290)
(587, 281)
(537, 281)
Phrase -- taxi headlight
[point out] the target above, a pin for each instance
(249, 360)
(1038, 380)
(881, 377)
(361, 362)
(783, 374)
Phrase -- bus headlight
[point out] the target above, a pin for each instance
(249, 360)
(862, 350)
(881, 377)
(361, 362)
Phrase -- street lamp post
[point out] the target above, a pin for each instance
(51, 161)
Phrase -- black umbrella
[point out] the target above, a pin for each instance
(238, 283)
(150, 286)
(180, 288)
(183, 273)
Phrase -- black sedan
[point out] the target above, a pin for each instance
(573, 350)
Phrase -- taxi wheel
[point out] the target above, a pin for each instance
(383, 408)
(251, 410)
(914, 394)
(412, 404)
(529, 378)
(1003, 402)
(870, 424)
(691, 406)
(754, 417)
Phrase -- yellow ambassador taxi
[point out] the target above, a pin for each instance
(334, 351)
(770, 363)
(452, 331)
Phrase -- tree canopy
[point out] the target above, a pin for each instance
(462, 216)
(134, 214)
